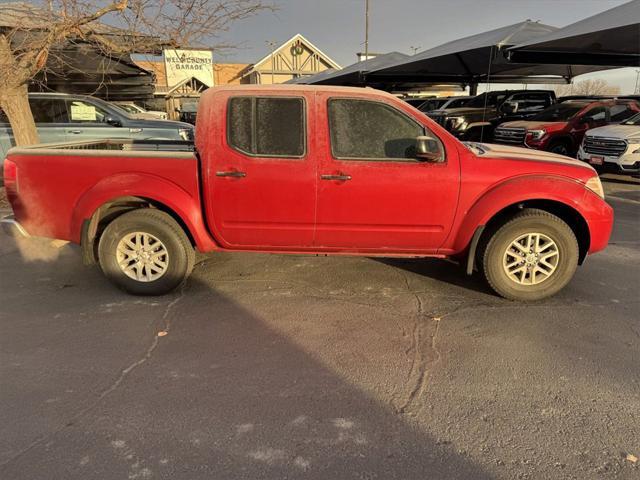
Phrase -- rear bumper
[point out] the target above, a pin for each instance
(11, 226)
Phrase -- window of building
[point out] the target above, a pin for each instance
(362, 129)
(267, 126)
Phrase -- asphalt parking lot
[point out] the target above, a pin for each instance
(271, 366)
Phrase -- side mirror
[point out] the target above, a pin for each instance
(429, 149)
(113, 121)
(509, 107)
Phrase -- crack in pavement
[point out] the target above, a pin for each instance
(123, 374)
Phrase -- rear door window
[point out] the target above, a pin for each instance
(48, 110)
(267, 126)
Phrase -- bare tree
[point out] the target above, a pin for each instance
(33, 37)
(587, 87)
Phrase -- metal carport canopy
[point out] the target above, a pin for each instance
(355, 74)
(609, 38)
(478, 58)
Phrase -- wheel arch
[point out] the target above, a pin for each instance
(556, 195)
(116, 195)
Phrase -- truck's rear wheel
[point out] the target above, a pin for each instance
(531, 257)
(145, 252)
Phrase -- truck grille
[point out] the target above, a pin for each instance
(509, 135)
(610, 147)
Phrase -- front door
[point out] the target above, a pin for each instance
(374, 195)
(262, 176)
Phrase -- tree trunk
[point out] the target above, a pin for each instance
(14, 101)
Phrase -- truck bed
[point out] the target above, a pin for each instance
(60, 184)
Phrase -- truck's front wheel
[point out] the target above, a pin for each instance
(532, 256)
(145, 252)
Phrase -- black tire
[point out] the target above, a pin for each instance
(180, 254)
(529, 221)
(560, 147)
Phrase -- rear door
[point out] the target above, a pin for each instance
(88, 121)
(262, 172)
(374, 195)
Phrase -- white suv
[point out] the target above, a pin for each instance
(613, 147)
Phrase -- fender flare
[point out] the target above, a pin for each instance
(148, 186)
(564, 190)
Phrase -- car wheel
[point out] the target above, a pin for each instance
(145, 252)
(531, 257)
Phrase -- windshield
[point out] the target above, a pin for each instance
(560, 112)
(432, 104)
(492, 99)
(635, 120)
(128, 108)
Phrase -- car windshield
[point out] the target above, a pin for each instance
(560, 112)
(457, 102)
(490, 99)
(128, 108)
(635, 120)
(432, 104)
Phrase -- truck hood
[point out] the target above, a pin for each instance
(507, 152)
(615, 131)
(533, 125)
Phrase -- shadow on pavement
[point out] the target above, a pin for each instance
(441, 271)
(222, 395)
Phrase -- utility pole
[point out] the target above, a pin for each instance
(366, 30)
(272, 44)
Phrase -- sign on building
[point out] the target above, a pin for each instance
(184, 64)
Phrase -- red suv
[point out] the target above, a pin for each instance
(561, 127)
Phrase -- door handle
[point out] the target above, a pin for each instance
(75, 131)
(232, 173)
(340, 177)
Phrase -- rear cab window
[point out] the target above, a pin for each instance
(267, 126)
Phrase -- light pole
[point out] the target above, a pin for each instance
(366, 30)
(272, 44)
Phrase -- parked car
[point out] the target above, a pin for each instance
(614, 147)
(443, 103)
(481, 114)
(139, 112)
(62, 117)
(417, 101)
(317, 170)
(188, 112)
(561, 127)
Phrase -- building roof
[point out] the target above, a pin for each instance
(285, 45)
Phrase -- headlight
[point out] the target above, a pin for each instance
(595, 185)
(536, 134)
(633, 140)
(185, 133)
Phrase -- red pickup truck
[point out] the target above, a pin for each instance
(321, 170)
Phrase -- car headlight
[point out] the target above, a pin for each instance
(595, 185)
(536, 134)
(185, 133)
(455, 122)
